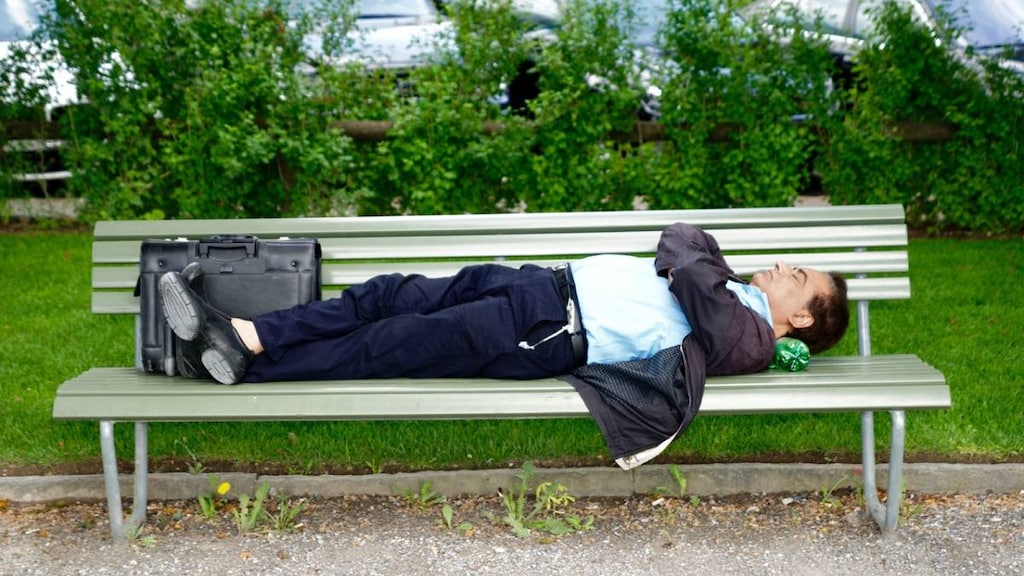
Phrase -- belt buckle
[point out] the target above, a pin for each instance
(571, 314)
(571, 318)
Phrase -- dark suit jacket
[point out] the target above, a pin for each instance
(641, 404)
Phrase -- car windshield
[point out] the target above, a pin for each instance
(988, 23)
(650, 16)
(384, 8)
(18, 18)
(832, 14)
(393, 8)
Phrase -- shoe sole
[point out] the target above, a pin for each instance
(222, 369)
(183, 315)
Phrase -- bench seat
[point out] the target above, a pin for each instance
(830, 384)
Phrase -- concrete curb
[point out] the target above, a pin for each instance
(702, 480)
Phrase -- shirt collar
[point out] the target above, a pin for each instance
(752, 297)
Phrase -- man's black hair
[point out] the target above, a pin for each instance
(831, 314)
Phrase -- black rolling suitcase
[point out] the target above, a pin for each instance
(243, 276)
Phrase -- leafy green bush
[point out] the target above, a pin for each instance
(742, 74)
(197, 113)
(438, 158)
(975, 181)
(575, 166)
(217, 112)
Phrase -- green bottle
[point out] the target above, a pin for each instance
(790, 354)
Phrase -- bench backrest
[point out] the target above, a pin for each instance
(865, 243)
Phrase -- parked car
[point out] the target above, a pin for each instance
(648, 65)
(388, 34)
(989, 26)
(993, 28)
(546, 17)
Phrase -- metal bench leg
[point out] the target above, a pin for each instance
(887, 515)
(112, 487)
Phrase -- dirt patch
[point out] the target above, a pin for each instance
(773, 534)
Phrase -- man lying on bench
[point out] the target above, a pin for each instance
(636, 340)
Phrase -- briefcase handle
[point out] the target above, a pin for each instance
(248, 242)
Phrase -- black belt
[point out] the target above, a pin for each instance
(563, 277)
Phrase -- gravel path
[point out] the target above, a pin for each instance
(777, 534)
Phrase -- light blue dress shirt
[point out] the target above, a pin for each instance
(628, 312)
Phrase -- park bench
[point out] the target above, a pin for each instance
(866, 243)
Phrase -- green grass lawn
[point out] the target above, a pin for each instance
(965, 318)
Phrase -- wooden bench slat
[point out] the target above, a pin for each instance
(344, 274)
(857, 289)
(552, 244)
(528, 223)
(830, 370)
(830, 384)
(125, 302)
(348, 273)
(512, 245)
(826, 399)
(114, 303)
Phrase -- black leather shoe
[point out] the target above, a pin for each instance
(193, 274)
(189, 356)
(191, 318)
(183, 308)
(189, 360)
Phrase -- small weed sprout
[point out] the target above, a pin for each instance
(207, 506)
(679, 490)
(548, 513)
(425, 498)
(552, 497)
(133, 535)
(828, 496)
(253, 512)
(907, 509)
(580, 525)
(250, 510)
(447, 515)
(195, 467)
(208, 502)
(287, 514)
(448, 519)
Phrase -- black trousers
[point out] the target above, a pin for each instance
(470, 324)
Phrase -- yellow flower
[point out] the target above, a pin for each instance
(223, 488)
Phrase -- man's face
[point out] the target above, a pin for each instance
(790, 290)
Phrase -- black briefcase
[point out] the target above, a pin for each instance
(243, 276)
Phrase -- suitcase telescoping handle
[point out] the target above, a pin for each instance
(246, 242)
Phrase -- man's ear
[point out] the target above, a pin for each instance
(801, 318)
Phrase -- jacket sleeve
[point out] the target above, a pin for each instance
(735, 338)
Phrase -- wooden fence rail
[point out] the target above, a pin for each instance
(379, 130)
